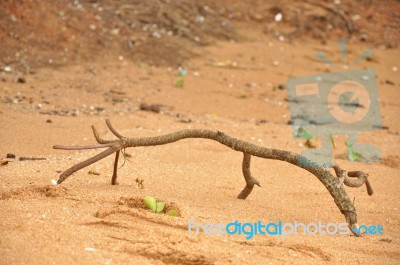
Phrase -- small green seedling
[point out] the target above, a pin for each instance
(332, 141)
(157, 206)
(351, 154)
(143, 65)
(153, 204)
(180, 81)
(172, 213)
(303, 134)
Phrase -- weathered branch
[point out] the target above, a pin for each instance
(84, 147)
(113, 130)
(332, 184)
(100, 140)
(114, 176)
(345, 178)
(250, 181)
(87, 162)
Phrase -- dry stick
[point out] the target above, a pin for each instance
(355, 183)
(63, 147)
(87, 162)
(250, 180)
(113, 130)
(114, 176)
(331, 183)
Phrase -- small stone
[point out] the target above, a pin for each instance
(278, 17)
(90, 249)
(356, 17)
(10, 155)
(389, 82)
(156, 35)
(93, 172)
(363, 37)
(262, 121)
(150, 107)
(114, 31)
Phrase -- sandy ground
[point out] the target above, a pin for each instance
(85, 220)
(46, 224)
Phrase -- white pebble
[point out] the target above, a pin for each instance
(278, 17)
(90, 249)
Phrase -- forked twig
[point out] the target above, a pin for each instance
(333, 184)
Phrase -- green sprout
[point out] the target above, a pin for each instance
(172, 213)
(332, 141)
(153, 204)
(353, 155)
(180, 81)
(303, 134)
(157, 206)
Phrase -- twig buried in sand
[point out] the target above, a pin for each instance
(333, 184)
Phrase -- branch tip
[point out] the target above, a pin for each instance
(108, 122)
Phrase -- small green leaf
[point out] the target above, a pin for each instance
(182, 72)
(172, 213)
(151, 203)
(355, 156)
(160, 207)
(351, 154)
(143, 65)
(332, 141)
(303, 134)
(180, 82)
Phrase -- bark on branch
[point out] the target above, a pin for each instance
(333, 184)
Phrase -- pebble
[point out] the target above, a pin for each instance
(10, 155)
(278, 17)
(90, 249)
